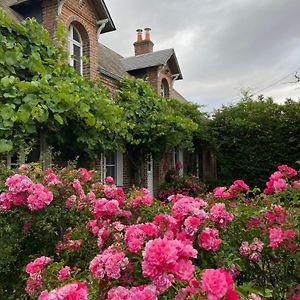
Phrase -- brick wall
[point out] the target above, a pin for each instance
(155, 75)
(110, 83)
(84, 19)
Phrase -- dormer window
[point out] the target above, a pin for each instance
(75, 49)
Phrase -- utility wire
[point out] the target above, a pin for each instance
(276, 82)
(271, 85)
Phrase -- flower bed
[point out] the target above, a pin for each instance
(65, 235)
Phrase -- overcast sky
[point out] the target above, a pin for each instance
(223, 46)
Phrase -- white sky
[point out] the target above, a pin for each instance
(223, 46)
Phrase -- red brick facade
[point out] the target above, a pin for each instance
(83, 17)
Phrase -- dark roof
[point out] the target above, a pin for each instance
(5, 4)
(109, 63)
(152, 59)
(100, 8)
(178, 96)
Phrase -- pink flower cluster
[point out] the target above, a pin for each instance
(209, 239)
(112, 192)
(39, 197)
(51, 178)
(219, 215)
(64, 273)
(21, 190)
(185, 206)
(109, 263)
(142, 292)
(277, 236)
(105, 208)
(237, 187)
(141, 196)
(191, 224)
(135, 235)
(221, 192)
(276, 214)
(252, 251)
(278, 180)
(254, 297)
(71, 291)
(163, 256)
(218, 283)
(79, 189)
(67, 242)
(35, 271)
(86, 175)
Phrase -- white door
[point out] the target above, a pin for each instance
(150, 174)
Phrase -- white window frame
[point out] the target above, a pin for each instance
(72, 42)
(150, 182)
(162, 90)
(178, 155)
(15, 165)
(118, 165)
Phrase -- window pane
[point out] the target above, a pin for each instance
(110, 158)
(76, 52)
(77, 65)
(76, 36)
(110, 171)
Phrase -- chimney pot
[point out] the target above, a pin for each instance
(143, 46)
(147, 35)
(139, 35)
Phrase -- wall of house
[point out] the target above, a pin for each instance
(110, 83)
(84, 19)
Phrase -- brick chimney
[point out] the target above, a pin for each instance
(142, 46)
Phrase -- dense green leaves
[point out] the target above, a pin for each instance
(253, 136)
(39, 92)
(156, 124)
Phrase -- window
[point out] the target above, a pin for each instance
(13, 161)
(178, 160)
(164, 88)
(112, 165)
(75, 49)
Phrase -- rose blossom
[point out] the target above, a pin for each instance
(209, 239)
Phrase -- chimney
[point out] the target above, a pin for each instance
(142, 46)
(139, 35)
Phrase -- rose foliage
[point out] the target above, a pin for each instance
(65, 235)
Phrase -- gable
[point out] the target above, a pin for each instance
(29, 8)
(153, 59)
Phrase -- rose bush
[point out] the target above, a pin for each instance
(65, 235)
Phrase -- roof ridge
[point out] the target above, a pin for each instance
(150, 53)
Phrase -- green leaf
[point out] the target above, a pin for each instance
(5, 146)
(59, 119)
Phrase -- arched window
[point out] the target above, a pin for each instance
(75, 49)
(164, 88)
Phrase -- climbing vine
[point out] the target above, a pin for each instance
(156, 124)
(41, 94)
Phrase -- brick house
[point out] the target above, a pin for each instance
(85, 21)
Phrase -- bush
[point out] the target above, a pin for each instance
(254, 135)
(65, 235)
(174, 184)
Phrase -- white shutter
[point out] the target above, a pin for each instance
(180, 156)
(119, 169)
(102, 167)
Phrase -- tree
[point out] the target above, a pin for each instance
(253, 136)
